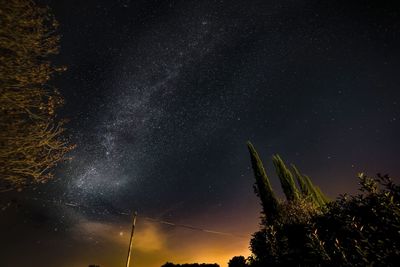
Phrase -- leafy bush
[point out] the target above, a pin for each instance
(363, 229)
(237, 261)
(308, 230)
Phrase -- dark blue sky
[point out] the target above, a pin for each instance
(163, 95)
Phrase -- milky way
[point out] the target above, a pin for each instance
(145, 114)
(195, 84)
(162, 97)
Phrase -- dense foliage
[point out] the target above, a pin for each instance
(363, 229)
(309, 230)
(237, 261)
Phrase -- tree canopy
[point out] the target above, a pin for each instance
(32, 138)
(307, 229)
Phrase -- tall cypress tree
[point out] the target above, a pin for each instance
(302, 184)
(318, 196)
(308, 189)
(263, 185)
(321, 195)
(286, 178)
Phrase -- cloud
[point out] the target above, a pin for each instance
(155, 244)
(147, 238)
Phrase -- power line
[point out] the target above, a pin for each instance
(147, 218)
(192, 227)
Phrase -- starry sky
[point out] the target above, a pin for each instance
(162, 96)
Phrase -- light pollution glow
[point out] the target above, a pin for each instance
(155, 244)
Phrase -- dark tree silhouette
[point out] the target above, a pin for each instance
(361, 230)
(309, 230)
(238, 261)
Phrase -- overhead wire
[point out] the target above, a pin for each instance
(125, 213)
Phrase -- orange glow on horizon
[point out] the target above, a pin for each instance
(155, 244)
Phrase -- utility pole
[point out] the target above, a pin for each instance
(128, 259)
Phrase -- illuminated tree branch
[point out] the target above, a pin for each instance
(32, 139)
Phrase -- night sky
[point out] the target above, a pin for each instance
(162, 97)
